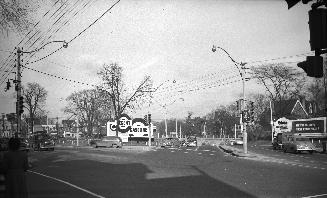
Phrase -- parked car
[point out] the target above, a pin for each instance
(297, 144)
(107, 141)
(236, 142)
(191, 141)
(171, 142)
(24, 145)
(4, 144)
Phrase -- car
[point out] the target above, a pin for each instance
(238, 142)
(41, 141)
(191, 141)
(24, 145)
(171, 142)
(107, 141)
(4, 144)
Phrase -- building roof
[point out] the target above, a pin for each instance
(289, 108)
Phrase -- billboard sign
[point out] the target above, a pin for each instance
(136, 127)
(312, 127)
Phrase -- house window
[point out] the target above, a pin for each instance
(310, 108)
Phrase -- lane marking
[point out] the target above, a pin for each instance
(315, 196)
(67, 183)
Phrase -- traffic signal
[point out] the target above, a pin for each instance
(239, 105)
(313, 66)
(8, 85)
(292, 3)
(149, 118)
(245, 116)
(251, 111)
(21, 105)
(146, 119)
(318, 28)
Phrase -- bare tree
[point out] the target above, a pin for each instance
(115, 88)
(281, 81)
(15, 15)
(35, 97)
(89, 107)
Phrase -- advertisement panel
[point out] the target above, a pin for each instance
(311, 127)
(130, 128)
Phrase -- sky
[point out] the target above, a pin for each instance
(170, 40)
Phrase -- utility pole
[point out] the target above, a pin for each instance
(166, 125)
(180, 131)
(150, 134)
(240, 70)
(176, 129)
(77, 132)
(3, 125)
(245, 134)
(19, 94)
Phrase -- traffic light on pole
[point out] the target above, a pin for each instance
(313, 66)
(8, 85)
(292, 3)
(251, 111)
(21, 105)
(146, 119)
(149, 118)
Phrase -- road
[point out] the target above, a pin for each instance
(179, 172)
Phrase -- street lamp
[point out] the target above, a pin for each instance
(241, 72)
(19, 94)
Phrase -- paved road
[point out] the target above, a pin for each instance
(185, 172)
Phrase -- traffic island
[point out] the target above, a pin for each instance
(236, 151)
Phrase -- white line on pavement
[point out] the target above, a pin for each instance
(69, 184)
(315, 196)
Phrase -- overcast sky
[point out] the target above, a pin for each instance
(169, 40)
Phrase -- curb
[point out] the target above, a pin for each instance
(140, 148)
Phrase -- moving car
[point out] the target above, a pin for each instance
(107, 141)
(41, 141)
(297, 144)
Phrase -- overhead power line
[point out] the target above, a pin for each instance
(79, 34)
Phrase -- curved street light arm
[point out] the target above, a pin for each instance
(214, 48)
(65, 45)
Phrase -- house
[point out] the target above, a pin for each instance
(294, 109)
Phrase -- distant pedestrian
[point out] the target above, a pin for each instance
(15, 167)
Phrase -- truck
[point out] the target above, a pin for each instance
(286, 131)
